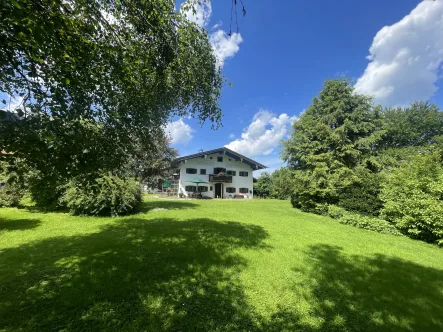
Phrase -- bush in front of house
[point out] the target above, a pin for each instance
(106, 195)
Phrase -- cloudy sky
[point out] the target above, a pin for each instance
(285, 50)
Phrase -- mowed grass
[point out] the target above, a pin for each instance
(215, 265)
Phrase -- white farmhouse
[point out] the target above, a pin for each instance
(218, 173)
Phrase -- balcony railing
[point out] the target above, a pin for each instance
(220, 178)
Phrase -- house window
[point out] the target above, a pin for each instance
(202, 189)
(233, 173)
(191, 171)
(243, 173)
(219, 170)
(230, 190)
(210, 188)
(220, 159)
(210, 157)
(244, 190)
(203, 171)
(191, 188)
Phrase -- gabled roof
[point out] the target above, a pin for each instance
(225, 151)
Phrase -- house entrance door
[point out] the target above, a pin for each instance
(219, 190)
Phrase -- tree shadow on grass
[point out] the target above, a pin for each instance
(356, 293)
(166, 204)
(136, 275)
(18, 224)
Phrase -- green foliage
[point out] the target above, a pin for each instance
(346, 152)
(281, 183)
(97, 81)
(10, 195)
(263, 186)
(106, 195)
(336, 212)
(413, 197)
(45, 189)
(362, 195)
(150, 165)
(278, 184)
(330, 139)
(416, 125)
(362, 221)
(10, 191)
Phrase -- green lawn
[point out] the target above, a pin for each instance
(213, 266)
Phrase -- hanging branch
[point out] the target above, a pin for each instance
(234, 12)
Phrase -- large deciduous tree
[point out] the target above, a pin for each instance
(416, 125)
(94, 80)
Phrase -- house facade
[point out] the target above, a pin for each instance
(219, 173)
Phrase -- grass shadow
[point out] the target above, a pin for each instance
(147, 206)
(18, 224)
(356, 293)
(136, 275)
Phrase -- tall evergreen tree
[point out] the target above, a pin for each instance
(332, 137)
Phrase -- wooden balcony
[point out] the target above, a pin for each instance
(220, 178)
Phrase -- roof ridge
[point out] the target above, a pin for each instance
(202, 153)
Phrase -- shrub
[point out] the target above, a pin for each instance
(106, 195)
(312, 192)
(10, 191)
(336, 212)
(10, 195)
(362, 195)
(413, 198)
(45, 190)
(362, 221)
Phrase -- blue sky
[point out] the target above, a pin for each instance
(286, 49)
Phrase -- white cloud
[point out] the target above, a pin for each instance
(224, 46)
(273, 163)
(264, 134)
(201, 14)
(231, 136)
(218, 25)
(406, 58)
(180, 132)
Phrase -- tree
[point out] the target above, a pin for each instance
(281, 183)
(148, 166)
(263, 186)
(416, 125)
(332, 137)
(98, 79)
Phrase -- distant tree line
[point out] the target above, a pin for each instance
(377, 166)
(274, 185)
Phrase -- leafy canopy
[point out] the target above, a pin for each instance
(97, 80)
